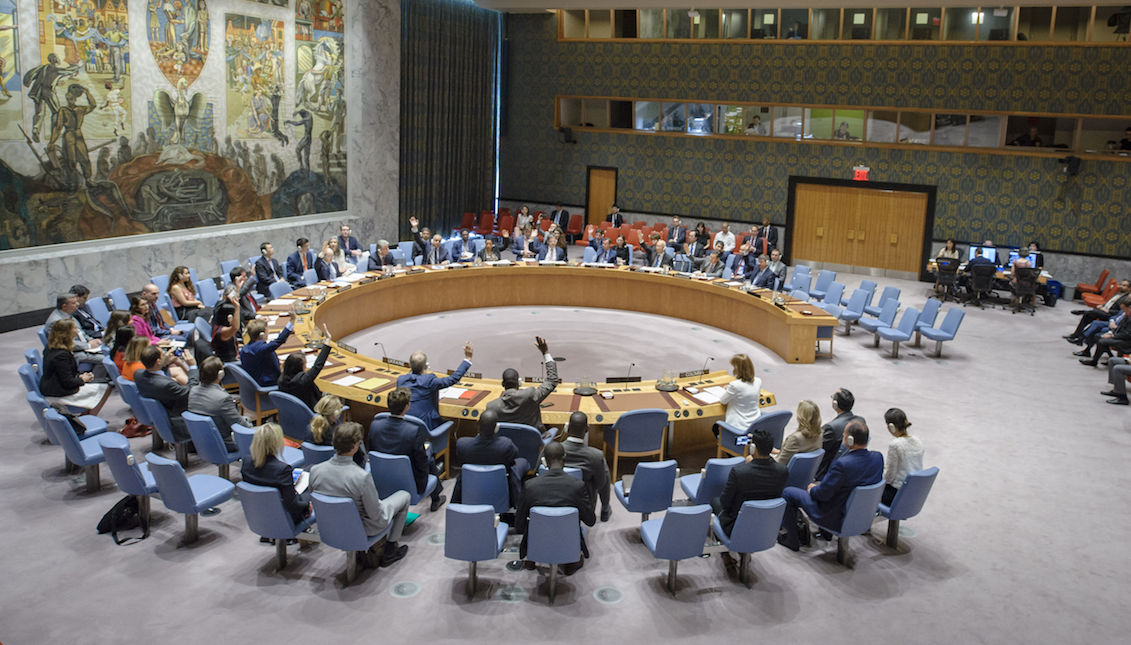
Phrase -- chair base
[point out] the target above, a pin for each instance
(158, 443)
(673, 565)
(93, 478)
(224, 471)
(143, 509)
(895, 349)
(893, 534)
(192, 532)
(472, 579)
(744, 569)
(180, 449)
(553, 582)
(842, 552)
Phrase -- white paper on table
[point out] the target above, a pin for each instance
(280, 302)
(709, 395)
(303, 482)
(452, 392)
(732, 283)
(271, 337)
(347, 381)
(353, 277)
(339, 283)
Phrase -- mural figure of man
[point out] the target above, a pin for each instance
(276, 97)
(303, 149)
(68, 128)
(41, 82)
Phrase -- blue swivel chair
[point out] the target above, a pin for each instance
(755, 529)
(438, 437)
(340, 527)
(42, 334)
(772, 422)
(638, 433)
(166, 303)
(799, 281)
(889, 293)
(133, 478)
(314, 454)
(279, 288)
(470, 535)
(858, 515)
(293, 457)
(94, 425)
(310, 276)
(394, 472)
(553, 537)
(34, 358)
(485, 485)
(254, 397)
(798, 294)
(831, 303)
(162, 282)
(226, 269)
(111, 369)
(399, 258)
(651, 490)
(527, 439)
(119, 299)
(203, 329)
(98, 309)
(908, 501)
(869, 287)
(853, 310)
(294, 416)
(821, 288)
(406, 248)
(207, 292)
(885, 319)
(927, 317)
(266, 517)
(209, 444)
(127, 389)
(803, 467)
(701, 488)
(187, 495)
(589, 254)
(945, 331)
(678, 535)
(30, 377)
(159, 418)
(900, 334)
(85, 453)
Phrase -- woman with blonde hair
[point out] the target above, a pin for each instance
(742, 394)
(61, 382)
(266, 469)
(808, 435)
(327, 417)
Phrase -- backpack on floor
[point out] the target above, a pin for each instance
(124, 516)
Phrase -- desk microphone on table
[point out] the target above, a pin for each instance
(384, 353)
(630, 366)
(709, 359)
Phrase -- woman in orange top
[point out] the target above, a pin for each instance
(132, 359)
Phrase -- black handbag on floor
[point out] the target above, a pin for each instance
(124, 516)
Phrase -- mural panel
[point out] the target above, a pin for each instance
(320, 84)
(10, 96)
(254, 56)
(178, 37)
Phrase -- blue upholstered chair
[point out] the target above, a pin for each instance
(310, 276)
(314, 454)
(701, 488)
(831, 303)
(254, 397)
(339, 526)
(208, 442)
(900, 334)
(682, 263)
(207, 292)
(166, 303)
(133, 478)
(821, 288)
(293, 457)
(85, 453)
(638, 433)
(294, 416)
(438, 436)
(470, 535)
(859, 512)
(927, 317)
(119, 299)
(772, 422)
(589, 254)
(266, 517)
(651, 490)
(30, 377)
(279, 288)
(98, 309)
(869, 287)
(203, 329)
(527, 439)
(94, 425)
(853, 310)
(187, 495)
(394, 472)
(798, 294)
(226, 269)
(553, 537)
(799, 281)
(159, 419)
(399, 257)
(908, 501)
(406, 248)
(485, 485)
(889, 293)
(678, 535)
(885, 319)
(111, 369)
(162, 282)
(42, 334)
(127, 389)
(803, 467)
(945, 331)
(755, 529)
(34, 358)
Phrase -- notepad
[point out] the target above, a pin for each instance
(372, 383)
(280, 302)
(709, 395)
(347, 381)
(452, 392)
(302, 480)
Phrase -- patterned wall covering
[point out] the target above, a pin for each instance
(1007, 198)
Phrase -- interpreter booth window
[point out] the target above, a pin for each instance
(1071, 24)
(996, 23)
(891, 24)
(700, 118)
(1112, 23)
(915, 127)
(651, 23)
(984, 131)
(569, 113)
(624, 23)
(573, 23)
(818, 123)
(794, 24)
(736, 23)
(961, 23)
(857, 24)
(925, 23)
(1039, 132)
(705, 24)
(848, 125)
(883, 126)
(595, 113)
(1034, 23)
(679, 23)
(620, 115)
(788, 122)
(950, 130)
(763, 23)
(749, 120)
(1105, 135)
(825, 25)
(673, 117)
(647, 115)
(600, 24)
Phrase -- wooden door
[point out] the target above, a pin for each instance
(601, 193)
(824, 225)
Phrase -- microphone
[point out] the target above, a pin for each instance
(630, 366)
(384, 353)
(709, 359)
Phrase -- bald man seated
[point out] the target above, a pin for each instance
(594, 468)
(489, 449)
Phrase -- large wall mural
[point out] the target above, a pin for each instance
(221, 111)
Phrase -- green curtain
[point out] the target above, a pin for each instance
(449, 52)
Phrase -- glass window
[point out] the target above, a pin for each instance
(1063, 132)
(984, 131)
(882, 126)
(857, 24)
(795, 23)
(673, 117)
(826, 24)
(925, 23)
(600, 23)
(764, 23)
(849, 125)
(647, 115)
(596, 113)
(787, 122)
(573, 24)
(914, 127)
(706, 24)
(735, 23)
(1112, 24)
(569, 113)
(679, 23)
(891, 24)
(620, 114)
(730, 119)
(1034, 23)
(997, 23)
(818, 123)
(651, 23)
(1071, 23)
(624, 23)
(1106, 135)
(961, 23)
(1039, 132)
(701, 118)
(950, 130)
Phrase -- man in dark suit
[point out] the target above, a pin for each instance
(426, 387)
(763, 277)
(713, 267)
(258, 356)
(695, 250)
(615, 217)
(759, 478)
(248, 306)
(435, 253)
(394, 435)
(843, 400)
(744, 263)
(594, 468)
(488, 449)
(382, 259)
(155, 384)
(267, 269)
(1088, 316)
(554, 488)
(560, 216)
(212, 400)
(677, 235)
(597, 239)
(824, 501)
(768, 233)
(420, 237)
(348, 243)
(1117, 340)
(607, 253)
(657, 255)
(523, 405)
(86, 320)
(462, 249)
(298, 262)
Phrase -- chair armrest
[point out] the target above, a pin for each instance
(440, 431)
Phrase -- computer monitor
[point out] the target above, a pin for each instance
(988, 252)
(1016, 253)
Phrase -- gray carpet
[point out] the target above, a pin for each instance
(1013, 545)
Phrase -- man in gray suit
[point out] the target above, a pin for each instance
(523, 405)
(713, 267)
(594, 468)
(154, 384)
(212, 400)
(86, 350)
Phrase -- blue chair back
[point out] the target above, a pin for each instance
(526, 438)
(310, 276)
(861, 509)
(640, 430)
(470, 532)
(834, 293)
(339, 522)
(315, 454)
(888, 294)
(203, 329)
(98, 309)
(800, 280)
(803, 467)
(42, 334)
(34, 358)
(399, 257)
(127, 389)
(824, 281)
(392, 473)
(589, 254)
(38, 404)
(158, 418)
(554, 535)
(206, 438)
(804, 268)
(683, 263)
(907, 322)
(405, 247)
(243, 437)
(294, 416)
(30, 376)
(111, 368)
(912, 494)
(715, 478)
(279, 288)
(869, 287)
(119, 299)
(486, 485)
(652, 487)
(251, 262)
(192, 274)
(74, 449)
(172, 484)
(798, 294)
(263, 509)
(929, 313)
(252, 395)
(683, 532)
(773, 423)
(130, 475)
(164, 302)
(888, 311)
(226, 269)
(206, 291)
(162, 282)
(756, 528)
(951, 322)
(856, 304)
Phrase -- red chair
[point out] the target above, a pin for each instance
(1082, 288)
(575, 226)
(606, 225)
(506, 222)
(626, 230)
(544, 223)
(1097, 300)
(504, 211)
(486, 223)
(468, 222)
(587, 237)
(639, 224)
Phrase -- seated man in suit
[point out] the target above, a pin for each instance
(1117, 341)
(843, 400)
(298, 262)
(462, 249)
(607, 253)
(768, 233)
(551, 250)
(744, 263)
(245, 283)
(657, 255)
(759, 478)
(614, 216)
(435, 253)
(554, 488)
(488, 449)
(348, 243)
(597, 239)
(212, 400)
(426, 387)
(267, 270)
(594, 468)
(340, 477)
(763, 277)
(420, 237)
(383, 258)
(695, 250)
(523, 405)
(324, 265)
(560, 217)
(155, 384)
(677, 235)
(824, 501)
(394, 435)
(713, 266)
(86, 350)
(526, 244)
(86, 320)
(258, 356)
(1102, 312)
(777, 266)
(1097, 330)
(151, 293)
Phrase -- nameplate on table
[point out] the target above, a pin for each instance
(623, 379)
(468, 374)
(532, 379)
(393, 361)
(347, 348)
(692, 373)
(367, 280)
